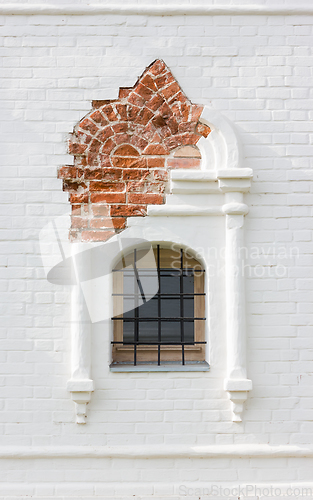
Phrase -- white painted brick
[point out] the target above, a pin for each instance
(257, 70)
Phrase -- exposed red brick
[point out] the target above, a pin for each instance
(128, 210)
(74, 234)
(76, 209)
(173, 125)
(137, 186)
(97, 235)
(120, 128)
(101, 223)
(79, 222)
(124, 92)
(164, 132)
(180, 140)
(98, 117)
(79, 198)
(155, 102)
(157, 67)
(144, 92)
(121, 149)
(139, 198)
(108, 174)
(100, 210)
(93, 173)
(164, 80)
(187, 152)
(122, 111)
(160, 175)
(112, 174)
(134, 174)
(95, 146)
(106, 186)
(128, 162)
(183, 163)
(108, 222)
(132, 112)
(138, 141)
(156, 138)
(99, 103)
(148, 132)
(170, 91)
(69, 185)
(126, 150)
(156, 162)
(144, 116)
(76, 149)
(136, 100)
(122, 138)
(93, 160)
(110, 113)
(107, 146)
(159, 122)
(186, 127)
(67, 172)
(108, 197)
(119, 222)
(203, 129)
(104, 134)
(148, 82)
(143, 186)
(155, 187)
(196, 112)
(156, 149)
(89, 126)
(85, 210)
(165, 111)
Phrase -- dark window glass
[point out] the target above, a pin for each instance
(159, 304)
(170, 308)
(148, 332)
(128, 332)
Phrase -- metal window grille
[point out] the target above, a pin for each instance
(137, 316)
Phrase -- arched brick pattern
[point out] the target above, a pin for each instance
(123, 150)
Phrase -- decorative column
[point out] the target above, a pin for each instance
(80, 384)
(234, 182)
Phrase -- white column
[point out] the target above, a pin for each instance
(236, 383)
(80, 384)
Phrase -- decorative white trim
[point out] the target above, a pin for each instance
(154, 10)
(182, 210)
(221, 149)
(152, 452)
(80, 385)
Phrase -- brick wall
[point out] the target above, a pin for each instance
(121, 153)
(256, 70)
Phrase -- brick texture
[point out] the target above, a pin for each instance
(122, 151)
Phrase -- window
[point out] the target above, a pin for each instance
(159, 305)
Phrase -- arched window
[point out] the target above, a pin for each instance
(159, 307)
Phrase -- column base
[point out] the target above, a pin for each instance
(237, 390)
(81, 395)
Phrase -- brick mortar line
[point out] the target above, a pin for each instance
(169, 10)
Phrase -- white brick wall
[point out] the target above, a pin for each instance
(257, 71)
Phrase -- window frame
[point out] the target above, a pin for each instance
(163, 354)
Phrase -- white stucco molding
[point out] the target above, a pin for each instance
(156, 452)
(221, 149)
(80, 384)
(221, 172)
(215, 190)
(153, 10)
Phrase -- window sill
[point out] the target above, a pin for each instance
(200, 366)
